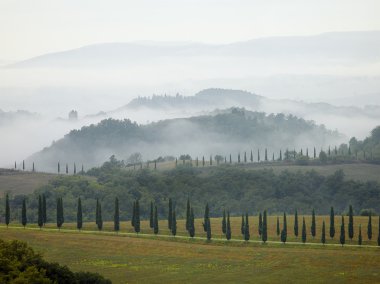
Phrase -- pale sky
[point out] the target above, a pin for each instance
(30, 28)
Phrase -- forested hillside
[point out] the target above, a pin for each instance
(236, 189)
(225, 132)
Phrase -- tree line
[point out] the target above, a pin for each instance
(282, 232)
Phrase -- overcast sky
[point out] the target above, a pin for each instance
(30, 28)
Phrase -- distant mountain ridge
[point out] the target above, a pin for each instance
(346, 46)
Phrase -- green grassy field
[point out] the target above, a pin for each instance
(138, 259)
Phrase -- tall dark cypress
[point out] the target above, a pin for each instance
(44, 216)
(264, 234)
(239, 158)
(210, 160)
(369, 227)
(151, 216)
(350, 223)
(245, 157)
(79, 215)
(251, 159)
(342, 238)
(284, 231)
(360, 235)
(170, 214)
(137, 217)
(296, 224)
(97, 212)
(224, 222)
(116, 218)
(280, 155)
(203, 163)
(313, 225)
(33, 170)
(155, 223)
(192, 227)
(258, 155)
(242, 230)
(174, 224)
(23, 165)
(315, 154)
(378, 233)
(24, 219)
(59, 168)
(228, 227)
(188, 214)
(40, 220)
(278, 226)
(60, 219)
(230, 159)
(260, 228)
(7, 210)
(208, 231)
(246, 228)
(266, 155)
(133, 214)
(100, 218)
(332, 223)
(303, 230)
(206, 217)
(323, 237)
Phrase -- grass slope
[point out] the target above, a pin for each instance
(141, 260)
(22, 182)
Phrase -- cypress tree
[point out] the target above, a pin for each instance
(210, 160)
(203, 163)
(246, 228)
(251, 159)
(82, 170)
(303, 230)
(60, 219)
(170, 214)
(208, 225)
(23, 165)
(323, 238)
(228, 227)
(350, 223)
(97, 212)
(230, 159)
(67, 169)
(242, 230)
(40, 220)
(278, 226)
(266, 155)
(155, 223)
(44, 217)
(15, 165)
(360, 235)
(33, 168)
(137, 217)
(260, 224)
(75, 169)
(313, 225)
(192, 227)
(188, 215)
(258, 155)
(315, 154)
(206, 217)
(369, 227)
(280, 155)
(59, 168)
(332, 223)
(133, 214)
(307, 152)
(265, 228)
(100, 218)
(79, 215)
(239, 158)
(224, 222)
(24, 219)
(116, 219)
(7, 210)
(342, 233)
(285, 228)
(151, 216)
(174, 224)
(197, 162)
(245, 157)
(296, 224)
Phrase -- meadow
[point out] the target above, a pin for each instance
(132, 258)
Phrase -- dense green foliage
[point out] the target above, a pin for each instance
(235, 189)
(20, 264)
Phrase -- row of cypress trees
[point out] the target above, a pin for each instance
(190, 228)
